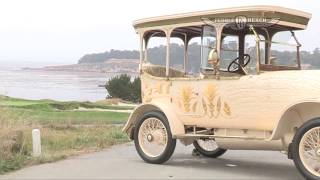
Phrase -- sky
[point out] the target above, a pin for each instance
(48, 32)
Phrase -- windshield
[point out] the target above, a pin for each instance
(281, 52)
(284, 49)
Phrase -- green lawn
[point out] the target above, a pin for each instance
(67, 128)
(56, 105)
(45, 117)
(46, 112)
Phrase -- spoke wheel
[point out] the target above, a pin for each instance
(208, 148)
(153, 138)
(309, 150)
(305, 149)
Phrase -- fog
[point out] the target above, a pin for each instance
(47, 32)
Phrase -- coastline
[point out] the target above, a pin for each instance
(118, 66)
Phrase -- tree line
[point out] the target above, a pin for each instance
(156, 55)
(129, 88)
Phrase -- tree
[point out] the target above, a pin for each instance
(316, 52)
(122, 87)
(136, 90)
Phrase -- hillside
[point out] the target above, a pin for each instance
(112, 54)
(125, 61)
(110, 66)
(156, 55)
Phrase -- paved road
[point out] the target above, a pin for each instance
(122, 162)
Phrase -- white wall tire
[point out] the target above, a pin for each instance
(153, 139)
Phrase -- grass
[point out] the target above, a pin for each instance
(46, 112)
(65, 130)
(55, 105)
(45, 117)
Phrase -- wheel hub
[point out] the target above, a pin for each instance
(149, 137)
(318, 152)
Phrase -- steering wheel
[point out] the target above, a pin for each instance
(234, 65)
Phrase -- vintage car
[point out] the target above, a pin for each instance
(227, 79)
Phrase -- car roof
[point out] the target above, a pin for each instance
(289, 17)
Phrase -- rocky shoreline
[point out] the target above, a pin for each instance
(110, 66)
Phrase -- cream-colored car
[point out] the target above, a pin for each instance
(227, 79)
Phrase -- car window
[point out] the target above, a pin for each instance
(251, 50)
(194, 56)
(229, 51)
(283, 50)
(208, 43)
(176, 54)
(156, 51)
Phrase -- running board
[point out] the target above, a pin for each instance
(184, 136)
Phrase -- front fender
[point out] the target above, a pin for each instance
(294, 116)
(176, 125)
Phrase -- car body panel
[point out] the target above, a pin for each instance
(253, 102)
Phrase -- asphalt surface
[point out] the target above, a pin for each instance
(122, 162)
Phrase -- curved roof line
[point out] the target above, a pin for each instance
(261, 8)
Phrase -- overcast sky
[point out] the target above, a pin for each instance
(61, 31)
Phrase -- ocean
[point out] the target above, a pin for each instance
(56, 85)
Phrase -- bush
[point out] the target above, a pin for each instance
(13, 152)
(122, 87)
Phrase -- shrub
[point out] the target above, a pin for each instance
(13, 152)
(122, 87)
(136, 90)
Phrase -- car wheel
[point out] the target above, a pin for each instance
(208, 148)
(306, 149)
(153, 139)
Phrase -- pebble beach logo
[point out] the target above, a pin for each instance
(240, 22)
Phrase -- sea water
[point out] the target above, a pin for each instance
(56, 85)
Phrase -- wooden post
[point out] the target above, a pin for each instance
(36, 142)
